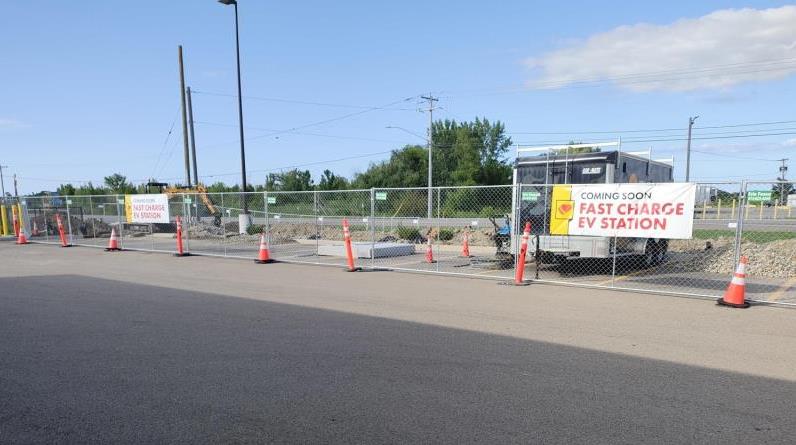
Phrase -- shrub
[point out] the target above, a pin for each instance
(408, 233)
(255, 229)
(446, 234)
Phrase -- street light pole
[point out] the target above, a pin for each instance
(691, 121)
(2, 184)
(431, 99)
(240, 118)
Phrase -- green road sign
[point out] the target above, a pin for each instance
(530, 196)
(759, 195)
(187, 200)
(272, 200)
(381, 196)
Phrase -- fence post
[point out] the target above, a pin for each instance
(372, 226)
(315, 217)
(69, 221)
(266, 226)
(718, 210)
(739, 223)
(119, 219)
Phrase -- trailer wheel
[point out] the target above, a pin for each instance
(661, 249)
(650, 253)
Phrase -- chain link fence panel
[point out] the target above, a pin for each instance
(397, 229)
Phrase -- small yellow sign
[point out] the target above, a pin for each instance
(562, 209)
(128, 209)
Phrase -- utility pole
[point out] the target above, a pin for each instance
(184, 122)
(782, 170)
(431, 99)
(16, 195)
(193, 140)
(691, 121)
(2, 183)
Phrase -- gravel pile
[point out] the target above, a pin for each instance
(776, 259)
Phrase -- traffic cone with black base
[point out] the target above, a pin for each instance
(263, 257)
(180, 249)
(735, 294)
(61, 233)
(466, 245)
(113, 242)
(429, 252)
(22, 239)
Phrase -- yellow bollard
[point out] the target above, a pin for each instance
(761, 211)
(4, 222)
(718, 210)
(732, 214)
(746, 214)
(704, 209)
(775, 211)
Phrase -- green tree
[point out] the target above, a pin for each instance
(117, 183)
(464, 153)
(331, 181)
(470, 153)
(66, 190)
(291, 180)
(576, 150)
(406, 167)
(781, 191)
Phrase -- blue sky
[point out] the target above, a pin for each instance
(90, 88)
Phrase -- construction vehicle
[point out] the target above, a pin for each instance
(201, 192)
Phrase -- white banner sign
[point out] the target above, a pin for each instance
(148, 208)
(624, 210)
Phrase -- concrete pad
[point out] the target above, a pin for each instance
(368, 250)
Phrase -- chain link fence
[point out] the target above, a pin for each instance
(465, 231)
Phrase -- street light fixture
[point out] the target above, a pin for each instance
(243, 219)
(430, 166)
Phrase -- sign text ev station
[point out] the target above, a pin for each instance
(623, 210)
(146, 208)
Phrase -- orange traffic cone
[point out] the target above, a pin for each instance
(429, 252)
(466, 245)
(734, 297)
(263, 257)
(113, 242)
(21, 239)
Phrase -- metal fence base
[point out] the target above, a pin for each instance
(743, 305)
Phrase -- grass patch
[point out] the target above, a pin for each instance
(751, 236)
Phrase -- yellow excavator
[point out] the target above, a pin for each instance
(201, 192)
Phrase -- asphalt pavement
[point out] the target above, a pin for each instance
(137, 347)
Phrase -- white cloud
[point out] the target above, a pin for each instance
(12, 123)
(790, 142)
(718, 50)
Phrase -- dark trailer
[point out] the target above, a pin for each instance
(536, 169)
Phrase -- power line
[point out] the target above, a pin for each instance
(561, 132)
(741, 158)
(302, 102)
(303, 133)
(673, 139)
(165, 142)
(316, 123)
